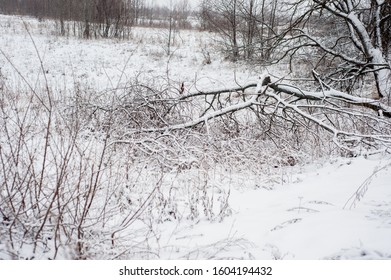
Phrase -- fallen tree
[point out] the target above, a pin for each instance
(356, 124)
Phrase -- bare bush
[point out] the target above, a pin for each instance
(79, 176)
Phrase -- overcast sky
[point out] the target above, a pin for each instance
(192, 3)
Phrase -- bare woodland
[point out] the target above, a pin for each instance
(87, 176)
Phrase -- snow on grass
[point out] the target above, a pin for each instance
(214, 212)
(107, 63)
(303, 220)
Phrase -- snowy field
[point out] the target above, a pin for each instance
(329, 208)
(106, 63)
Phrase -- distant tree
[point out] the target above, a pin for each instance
(249, 14)
(172, 26)
(222, 16)
(183, 12)
(9, 6)
(247, 27)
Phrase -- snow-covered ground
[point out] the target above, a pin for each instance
(106, 63)
(337, 208)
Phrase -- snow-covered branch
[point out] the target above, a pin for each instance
(340, 137)
(354, 42)
(350, 120)
(373, 104)
(206, 117)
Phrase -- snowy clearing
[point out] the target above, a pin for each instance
(106, 64)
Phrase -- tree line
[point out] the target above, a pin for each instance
(100, 18)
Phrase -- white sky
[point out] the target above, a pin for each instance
(193, 3)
